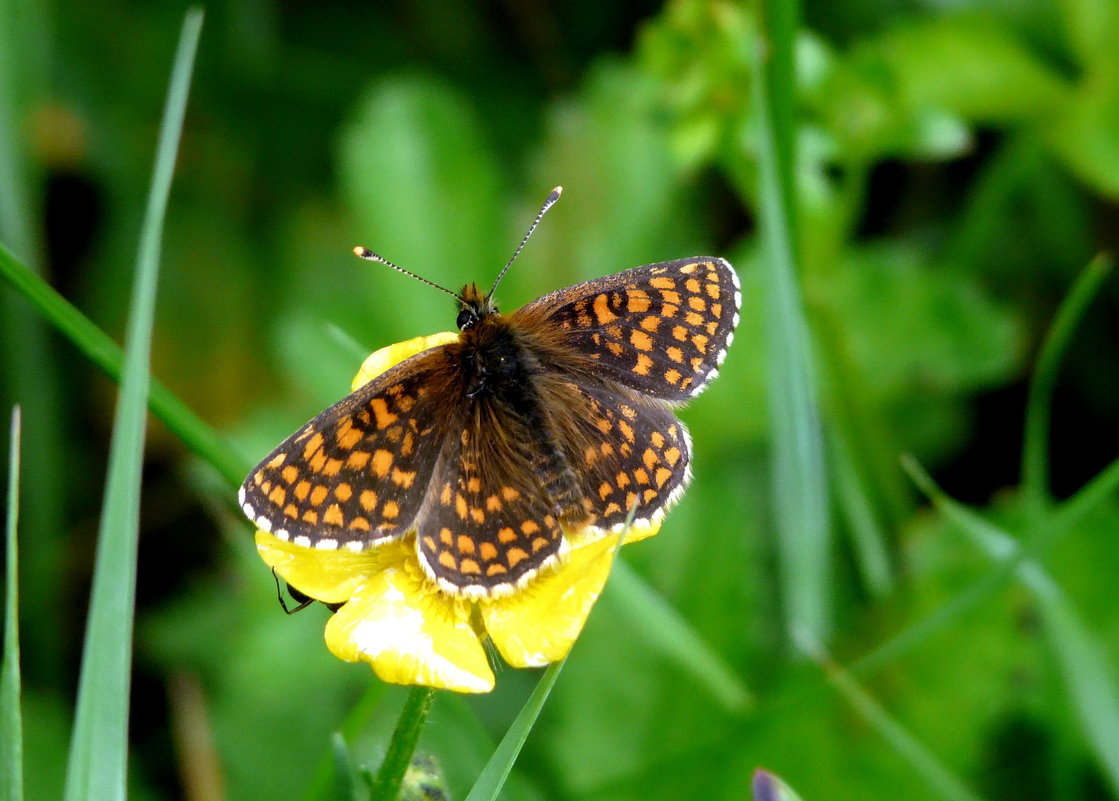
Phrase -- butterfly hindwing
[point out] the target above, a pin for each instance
(357, 474)
(661, 329)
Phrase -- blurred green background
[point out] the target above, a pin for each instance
(958, 167)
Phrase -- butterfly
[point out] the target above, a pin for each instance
(556, 416)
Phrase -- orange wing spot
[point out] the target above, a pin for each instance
(692, 285)
(506, 535)
(717, 309)
(680, 333)
(445, 495)
(712, 327)
(291, 511)
(662, 475)
(631, 500)
(306, 432)
(697, 304)
(488, 551)
(408, 445)
(614, 331)
(650, 323)
(688, 269)
(477, 515)
(343, 492)
(332, 467)
(643, 364)
(363, 416)
(671, 298)
(603, 425)
(266, 487)
(279, 458)
(358, 460)
(602, 311)
(429, 542)
(317, 461)
(382, 461)
(347, 439)
(606, 448)
(622, 479)
(516, 555)
(493, 504)
(474, 484)
(510, 494)
(672, 455)
(611, 509)
(694, 319)
(700, 342)
(672, 376)
(465, 544)
(470, 566)
(446, 537)
(529, 527)
(460, 505)
(313, 444)
(627, 429)
(447, 560)
(686, 383)
(495, 569)
(403, 478)
(675, 354)
(311, 516)
(590, 456)
(290, 473)
(641, 476)
(640, 340)
(381, 413)
(657, 438)
(585, 320)
(318, 495)
(629, 412)
(615, 348)
(649, 495)
(278, 495)
(549, 521)
(712, 288)
(368, 500)
(390, 510)
(539, 544)
(359, 524)
(696, 363)
(637, 303)
(333, 515)
(605, 490)
(258, 479)
(669, 310)
(650, 458)
(662, 283)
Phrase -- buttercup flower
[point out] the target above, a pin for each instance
(395, 617)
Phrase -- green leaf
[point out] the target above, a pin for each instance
(497, 770)
(11, 717)
(99, 749)
(800, 492)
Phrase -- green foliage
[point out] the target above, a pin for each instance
(906, 203)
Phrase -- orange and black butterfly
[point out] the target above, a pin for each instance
(556, 416)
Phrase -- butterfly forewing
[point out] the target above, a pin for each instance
(661, 329)
(357, 474)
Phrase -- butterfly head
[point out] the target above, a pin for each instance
(473, 307)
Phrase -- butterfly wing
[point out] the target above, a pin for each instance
(662, 329)
(489, 522)
(356, 475)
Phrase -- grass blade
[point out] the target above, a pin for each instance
(936, 776)
(106, 354)
(800, 485)
(99, 746)
(1035, 460)
(497, 770)
(653, 618)
(11, 717)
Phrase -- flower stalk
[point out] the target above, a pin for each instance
(386, 784)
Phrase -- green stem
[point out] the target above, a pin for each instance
(386, 785)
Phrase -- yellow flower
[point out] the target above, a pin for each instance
(395, 617)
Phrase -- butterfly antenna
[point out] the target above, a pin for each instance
(369, 255)
(553, 196)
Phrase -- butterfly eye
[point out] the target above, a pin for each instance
(466, 319)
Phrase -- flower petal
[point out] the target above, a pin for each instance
(328, 576)
(539, 624)
(407, 630)
(391, 355)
